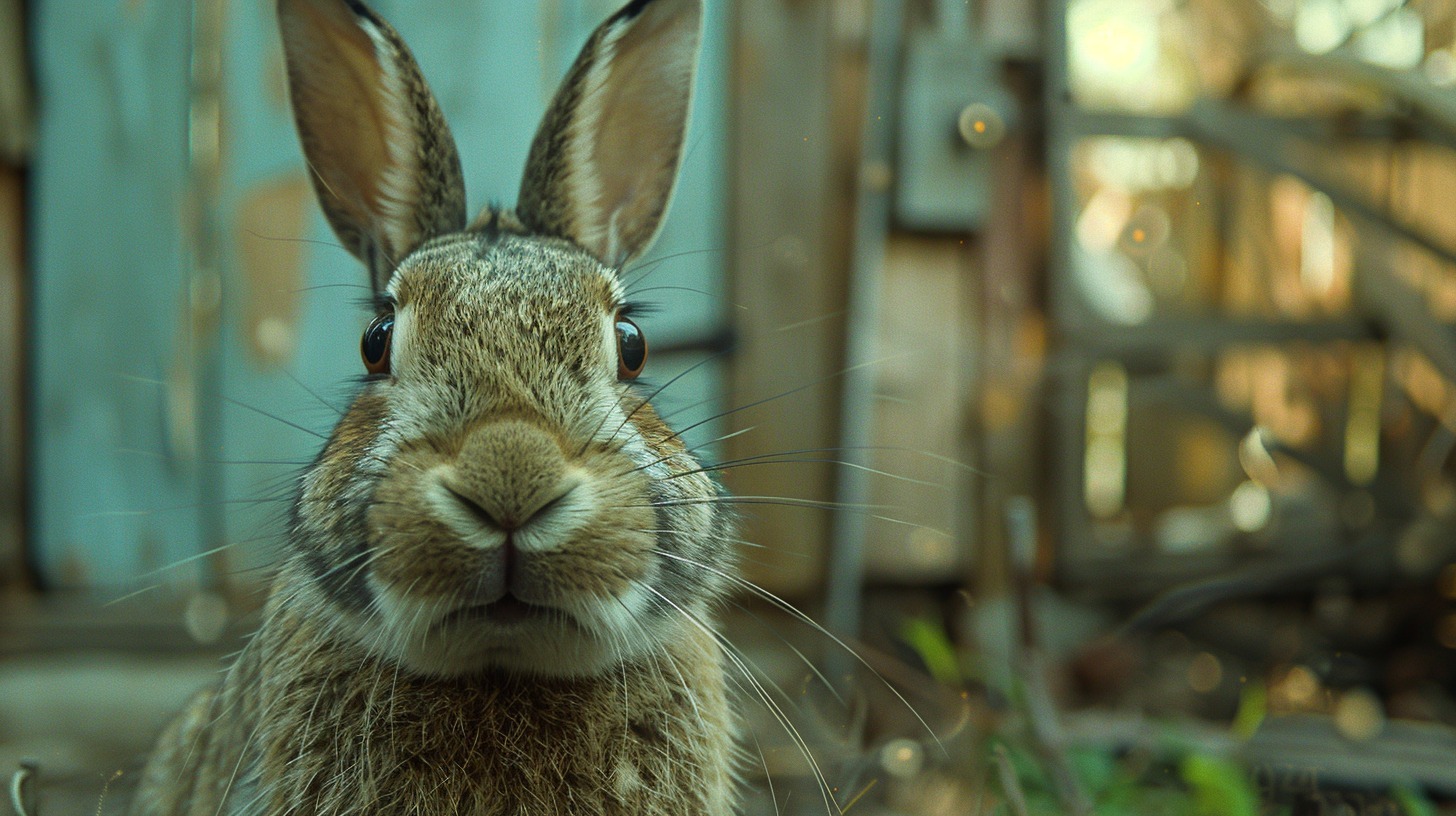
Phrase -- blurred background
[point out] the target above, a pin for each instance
(1100, 351)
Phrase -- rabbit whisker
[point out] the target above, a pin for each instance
(796, 457)
(645, 400)
(714, 295)
(811, 504)
(330, 286)
(754, 404)
(794, 611)
(743, 666)
(651, 264)
(675, 454)
(321, 401)
(727, 539)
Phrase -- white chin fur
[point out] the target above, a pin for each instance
(593, 639)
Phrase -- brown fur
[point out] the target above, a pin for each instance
(332, 731)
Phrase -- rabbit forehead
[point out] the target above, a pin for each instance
(502, 274)
(501, 323)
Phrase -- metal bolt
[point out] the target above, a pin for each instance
(980, 126)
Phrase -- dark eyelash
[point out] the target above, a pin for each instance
(636, 308)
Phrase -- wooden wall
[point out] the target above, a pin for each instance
(800, 79)
(192, 306)
(180, 311)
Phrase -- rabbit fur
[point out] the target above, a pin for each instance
(498, 590)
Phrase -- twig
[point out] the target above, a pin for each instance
(1010, 785)
(101, 800)
(22, 790)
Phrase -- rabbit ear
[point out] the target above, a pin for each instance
(604, 163)
(380, 154)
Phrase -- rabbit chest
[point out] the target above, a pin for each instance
(342, 733)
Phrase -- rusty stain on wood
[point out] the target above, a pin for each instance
(272, 217)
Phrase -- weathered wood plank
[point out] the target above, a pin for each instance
(115, 484)
(787, 277)
(920, 413)
(13, 288)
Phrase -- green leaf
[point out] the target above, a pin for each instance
(1220, 787)
(929, 641)
(1253, 706)
(1413, 801)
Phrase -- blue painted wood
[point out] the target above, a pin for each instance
(112, 263)
(110, 183)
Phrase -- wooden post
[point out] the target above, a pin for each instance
(13, 571)
(788, 259)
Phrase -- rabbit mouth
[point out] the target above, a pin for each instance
(507, 611)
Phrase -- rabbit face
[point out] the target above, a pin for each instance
(496, 497)
(511, 496)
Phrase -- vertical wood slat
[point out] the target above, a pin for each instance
(16, 132)
(17, 120)
(114, 481)
(920, 413)
(786, 279)
(1009, 389)
(12, 379)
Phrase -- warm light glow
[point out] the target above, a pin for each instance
(1320, 25)
(1255, 458)
(1105, 462)
(1110, 281)
(1119, 55)
(1396, 41)
(1317, 244)
(981, 126)
(1251, 507)
(1113, 42)
(1359, 715)
(1148, 229)
(1362, 423)
(1364, 12)
(1298, 688)
(902, 758)
(1103, 220)
(1139, 165)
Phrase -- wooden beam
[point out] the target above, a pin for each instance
(787, 261)
(13, 572)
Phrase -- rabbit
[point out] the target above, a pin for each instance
(502, 570)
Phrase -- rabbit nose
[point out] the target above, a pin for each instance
(507, 472)
(506, 522)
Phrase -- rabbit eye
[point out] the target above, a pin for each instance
(631, 349)
(375, 344)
